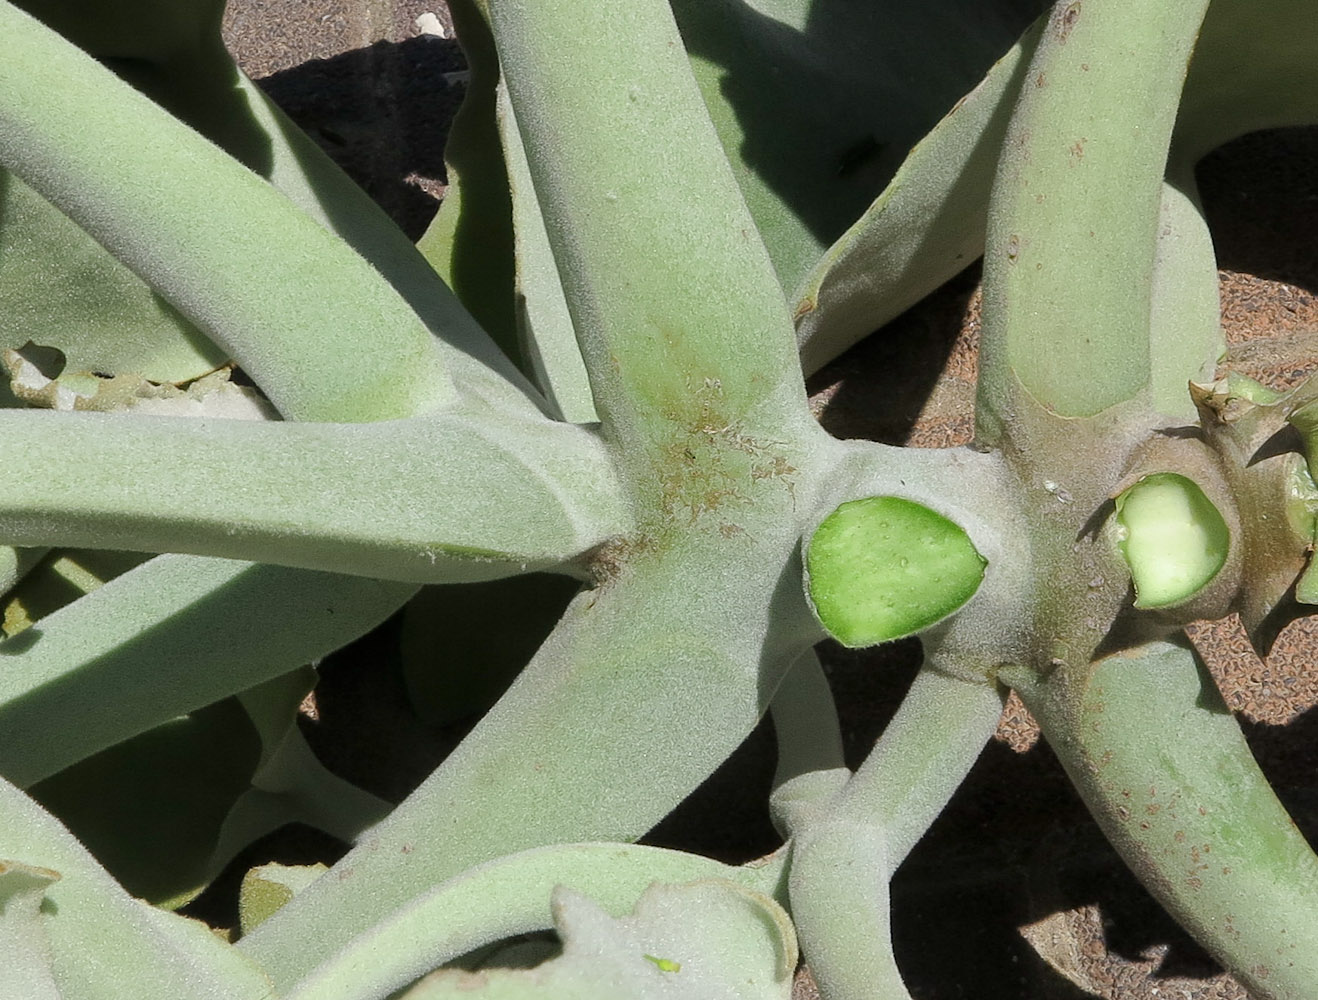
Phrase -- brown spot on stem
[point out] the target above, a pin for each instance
(1065, 21)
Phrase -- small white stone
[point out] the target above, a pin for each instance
(430, 24)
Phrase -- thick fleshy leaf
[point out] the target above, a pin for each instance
(60, 287)
(545, 329)
(461, 648)
(239, 623)
(1163, 766)
(210, 784)
(60, 578)
(703, 941)
(469, 243)
(57, 284)
(1068, 268)
(149, 31)
(504, 898)
(666, 662)
(406, 500)
(927, 225)
(676, 306)
(1251, 70)
(488, 239)
(171, 785)
(816, 104)
(104, 944)
(218, 242)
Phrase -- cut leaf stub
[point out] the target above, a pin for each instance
(882, 568)
(1172, 537)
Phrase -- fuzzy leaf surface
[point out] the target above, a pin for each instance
(104, 944)
(701, 941)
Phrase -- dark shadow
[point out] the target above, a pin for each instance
(879, 389)
(924, 341)
(1288, 756)
(829, 111)
(1264, 635)
(294, 844)
(1016, 846)
(366, 729)
(382, 113)
(1287, 439)
(1260, 197)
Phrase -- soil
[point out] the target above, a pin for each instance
(1013, 893)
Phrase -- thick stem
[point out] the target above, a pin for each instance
(1073, 223)
(1162, 765)
(842, 861)
(645, 686)
(681, 321)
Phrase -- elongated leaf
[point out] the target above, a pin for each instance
(545, 330)
(469, 243)
(1185, 328)
(664, 663)
(729, 942)
(104, 944)
(209, 784)
(218, 242)
(109, 665)
(173, 784)
(1251, 70)
(1255, 67)
(927, 225)
(60, 288)
(503, 898)
(816, 104)
(57, 285)
(408, 500)
(157, 32)
(1073, 226)
(1164, 768)
(460, 647)
(313, 182)
(668, 296)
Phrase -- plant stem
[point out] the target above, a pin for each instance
(680, 318)
(843, 860)
(1162, 765)
(645, 686)
(1073, 222)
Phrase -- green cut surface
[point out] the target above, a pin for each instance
(882, 568)
(1173, 539)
